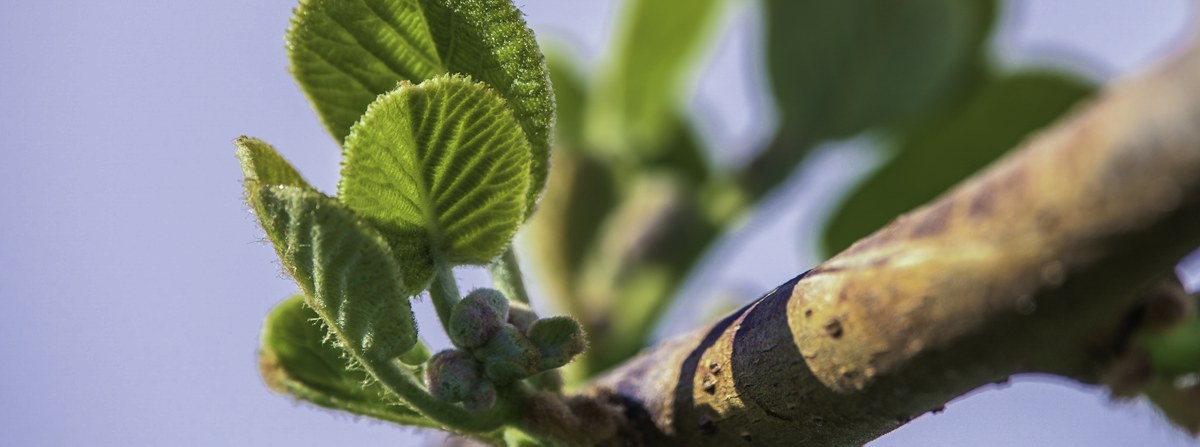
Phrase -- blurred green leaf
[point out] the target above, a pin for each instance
(344, 53)
(582, 194)
(296, 360)
(936, 156)
(636, 99)
(841, 67)
(441, 169)
(570, 98)
(1176, 351)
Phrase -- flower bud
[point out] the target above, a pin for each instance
(481, 398)
(508, 357)
(477, 318)
(521, 316)
(558, 340)
(452, 375)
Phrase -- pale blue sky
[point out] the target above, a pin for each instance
(133, 281)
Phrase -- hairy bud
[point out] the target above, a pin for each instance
(481, 398)
(477, 318)
(508, 357)
(521, 316)
(558, 340)
(453, 376)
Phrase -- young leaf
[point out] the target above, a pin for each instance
(344, 53)
(345, 269)
(441, 168)
(262, 165)
(840, 67)
(932, 159)
(638, 99)
(296, 360)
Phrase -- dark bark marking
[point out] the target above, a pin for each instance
(834, 328)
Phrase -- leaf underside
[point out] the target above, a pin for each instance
(344, 53)
(297, 360)
(344, 268)
(440, 169)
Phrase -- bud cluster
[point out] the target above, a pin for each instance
(498, 343)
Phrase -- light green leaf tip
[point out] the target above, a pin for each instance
(345, 269)
(296, 360)
(262, 165)
(344, 53)
(441, 168)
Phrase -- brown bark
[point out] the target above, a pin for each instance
(1031, 266)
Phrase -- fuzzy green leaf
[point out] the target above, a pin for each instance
(344, 267)
(262, 165)
(296, 360)
(344, 53)
(933, 158)
(441, 168)
(637, 101)
(840, 67)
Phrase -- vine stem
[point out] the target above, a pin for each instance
(400, 382)
(506, 275)
(444, 292)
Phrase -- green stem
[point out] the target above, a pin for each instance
(506, 275)
(397, 379)
(444, 292)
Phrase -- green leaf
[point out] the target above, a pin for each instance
(296, 360)
(570, 98)
(1177, 351)
(344, 53)
(637, 100)
(350, 278)
(934, 158)
(841, 67)
(441, 169)
(262, 165)
(344, 267)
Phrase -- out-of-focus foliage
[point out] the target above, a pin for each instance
(935, 155)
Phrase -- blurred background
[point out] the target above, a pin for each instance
(133, 280)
